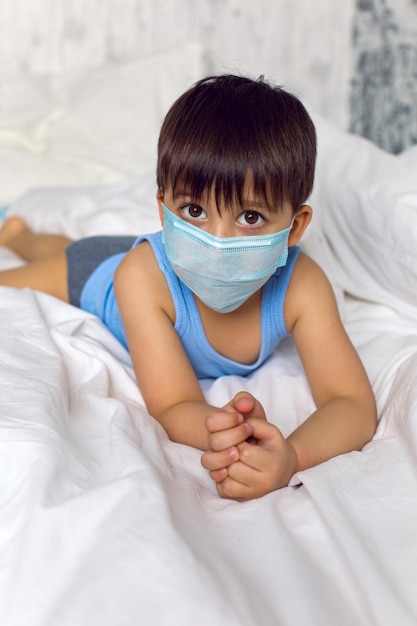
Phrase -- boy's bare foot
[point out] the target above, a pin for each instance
(12, 228)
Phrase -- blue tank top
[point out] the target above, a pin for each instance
(98, 297)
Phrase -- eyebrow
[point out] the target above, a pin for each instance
(256, 205)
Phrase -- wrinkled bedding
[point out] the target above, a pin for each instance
(104, 521)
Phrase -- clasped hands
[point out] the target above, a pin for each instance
(247, 457)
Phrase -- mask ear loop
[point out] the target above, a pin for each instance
(289, 228)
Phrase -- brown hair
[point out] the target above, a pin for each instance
(227, 127)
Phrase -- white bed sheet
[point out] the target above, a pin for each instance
(104, 521)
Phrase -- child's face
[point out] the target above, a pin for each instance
(235, 220)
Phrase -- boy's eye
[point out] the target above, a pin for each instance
(251, 218)
(193, 211)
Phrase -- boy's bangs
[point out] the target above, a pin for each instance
(196, 174)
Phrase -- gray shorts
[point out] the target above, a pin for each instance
(85, 255)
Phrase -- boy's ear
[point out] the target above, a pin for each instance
(160, 199)
(301, 220)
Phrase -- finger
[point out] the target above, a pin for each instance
(253, 479)
(247, 404)
(253, 458)
(233, 490)
(223, 420)
(224, 439)
(244, 401)
(265, 433)
(218, 475)
(219, 460)
(236, 490)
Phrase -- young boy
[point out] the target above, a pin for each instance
(215, 291)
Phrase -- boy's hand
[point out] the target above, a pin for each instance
(250, 458)
(261, 468)
(246, 404)
(226, 430)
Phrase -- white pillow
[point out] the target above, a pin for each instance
(125, 208)
(365, 203)
(99, 126)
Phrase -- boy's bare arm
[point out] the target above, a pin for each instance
(345, 418)
(165, 377)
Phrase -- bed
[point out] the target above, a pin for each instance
(103, 520)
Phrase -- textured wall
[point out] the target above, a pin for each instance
(354, 61)
(384, 87)
(304, 45)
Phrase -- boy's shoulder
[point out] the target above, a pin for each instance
(305, 268)
(139, 261)
(140, 273)
(309, 289)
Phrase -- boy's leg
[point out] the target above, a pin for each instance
(46, 269)
(17, 236)
(48, 275)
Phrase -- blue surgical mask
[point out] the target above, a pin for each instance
(223, 272)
